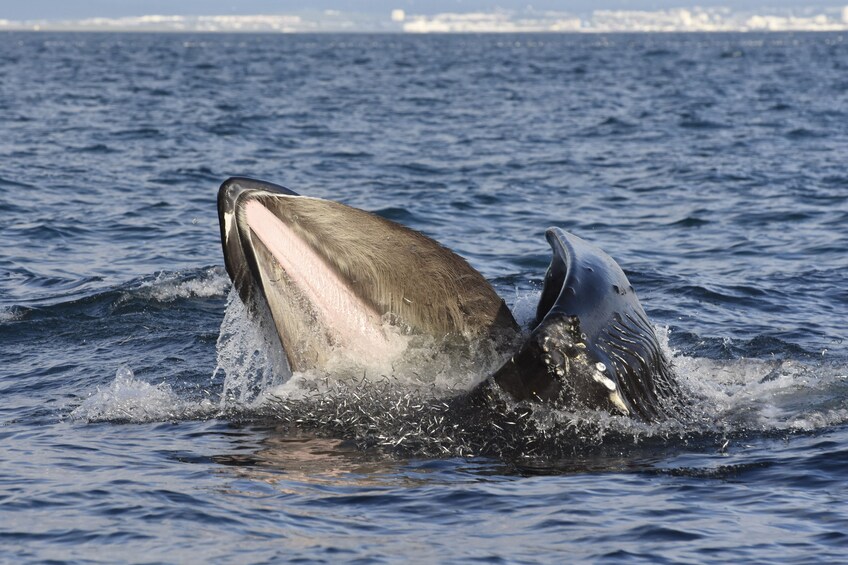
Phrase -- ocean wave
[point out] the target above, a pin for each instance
(165, 287)
(211, 282)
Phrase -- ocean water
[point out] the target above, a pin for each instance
(142, 417)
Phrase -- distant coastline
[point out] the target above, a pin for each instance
(499, 21)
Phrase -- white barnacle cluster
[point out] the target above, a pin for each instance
(565, 354)
(553, 357)
(564, 350)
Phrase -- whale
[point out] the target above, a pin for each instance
(346, 286)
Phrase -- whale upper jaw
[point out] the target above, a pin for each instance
(239, 258)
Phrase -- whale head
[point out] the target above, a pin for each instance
(591, 343)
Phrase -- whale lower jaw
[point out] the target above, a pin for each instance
(301, 286)
(346, 286)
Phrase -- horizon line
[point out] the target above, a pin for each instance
(677, 20)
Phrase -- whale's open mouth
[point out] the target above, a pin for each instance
(346, 289)
(341, 280)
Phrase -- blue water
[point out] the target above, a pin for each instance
(138, 420)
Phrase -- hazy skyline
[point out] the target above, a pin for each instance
(413, 16)
(79, 9)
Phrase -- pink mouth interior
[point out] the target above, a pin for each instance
(351, 322)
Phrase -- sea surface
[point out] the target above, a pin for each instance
(142, 419)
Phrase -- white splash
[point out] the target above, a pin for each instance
(760, 394)
(729, 395)
(523, 305)
(129, 398)
(9, 314)
(249, 357)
